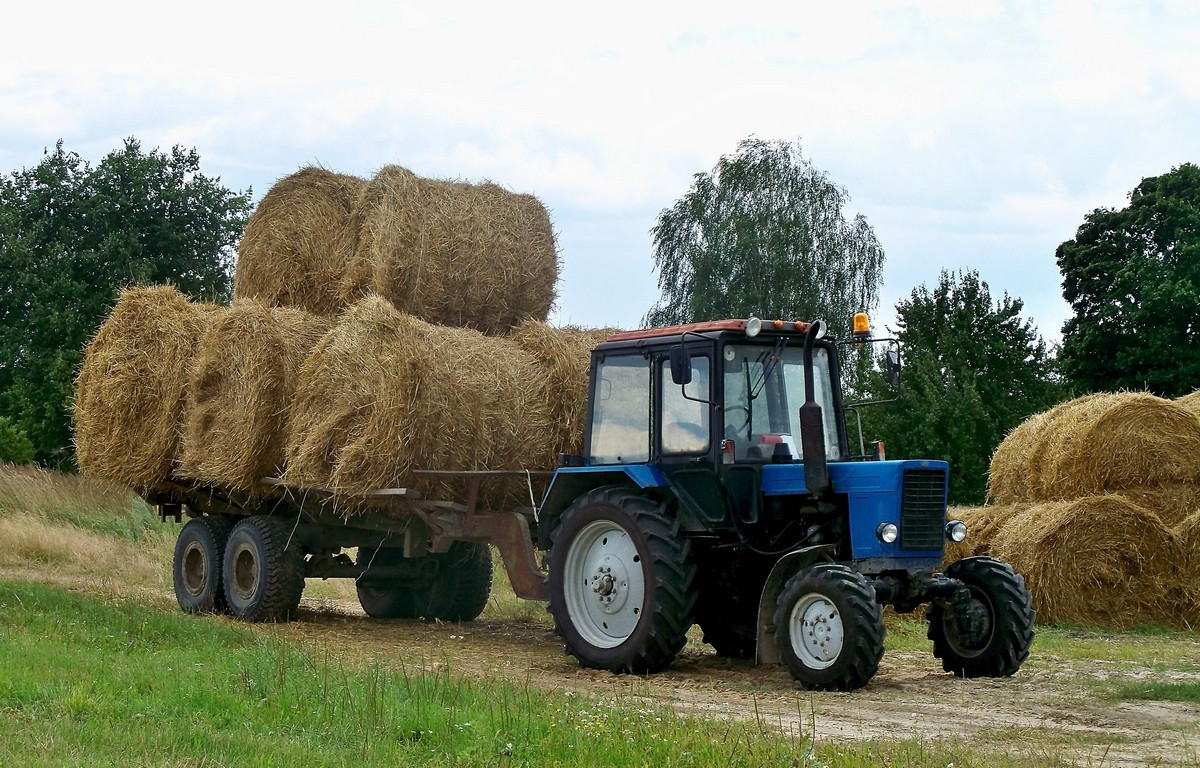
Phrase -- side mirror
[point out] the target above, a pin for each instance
(681, 365)
(891, 360)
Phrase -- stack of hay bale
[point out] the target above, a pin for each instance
(1096, 503)
(377, 328)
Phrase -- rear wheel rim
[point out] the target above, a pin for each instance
(194, 569)
(246, 572)
(605, 582)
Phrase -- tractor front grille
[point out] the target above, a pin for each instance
(923, 509)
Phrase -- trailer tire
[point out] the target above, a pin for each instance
(263, 571)
(829, 628)
(198, 564)
(998, 593)
(621, 582)
(456, 590)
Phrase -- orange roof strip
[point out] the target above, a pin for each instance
(714, 325)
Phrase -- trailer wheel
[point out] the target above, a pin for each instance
(1003, 616)
(263, 572)
(197, 566)
(463, 583)
(620, 582)
(829, 628)
(457, 589)
(384, 599)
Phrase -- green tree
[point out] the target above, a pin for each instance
(973, 370)
(15, 447)
(1132, 277)
(764, 234)
(70, 237)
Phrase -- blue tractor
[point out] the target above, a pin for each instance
(716, 487)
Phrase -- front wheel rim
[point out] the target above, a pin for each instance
(246, 572)
(817, 632)
(604, 584)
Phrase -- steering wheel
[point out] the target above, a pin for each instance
(740, 431)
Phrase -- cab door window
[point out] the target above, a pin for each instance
(621, 411)
(685, 409)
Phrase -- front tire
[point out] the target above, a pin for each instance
(620, 582)
(197, 566)
(263, 571)
(829, 629)
(1003, 614)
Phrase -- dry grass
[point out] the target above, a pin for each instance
(130, 394)
(1098, 561)
(240, 389)
(69, 526)
(297, 243)
(456, 254)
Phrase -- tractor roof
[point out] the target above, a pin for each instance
(714, 326)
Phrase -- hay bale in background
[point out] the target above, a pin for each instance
(1009, 479)
(1190, 403)
(451, 253)
(384, 393)
(1118, 442)
(565, 355)
(1041, 485)
(129, 397)
(297, 243)
(1188, 532)
(240, 387)
(1098, 561)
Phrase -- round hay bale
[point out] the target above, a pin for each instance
(1190, 403)
(1009, 478)
(1096, 561)
(1118, 442)
(297, 242)
(452, 253)
(129, 397)
(1188, 532)
(565, 356)
(383, 394)
(1041, 485)
(240, 387)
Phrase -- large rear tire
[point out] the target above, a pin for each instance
(829, 629)
(197, 566)
(620, 582)
(1003, 618)
(263, 572)
(456, 589)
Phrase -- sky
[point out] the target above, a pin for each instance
(971, 135)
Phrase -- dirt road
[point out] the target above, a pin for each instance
(1053, 704)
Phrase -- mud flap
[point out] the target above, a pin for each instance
(768, 651)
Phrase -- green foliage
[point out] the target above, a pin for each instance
(70, 237)
(1132, 277)
(973, 370)
(763, 234)
(15, 447)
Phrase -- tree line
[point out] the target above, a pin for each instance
(763, 233)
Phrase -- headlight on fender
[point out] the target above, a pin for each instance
(956, 530)
(887, 533)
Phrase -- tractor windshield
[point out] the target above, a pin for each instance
(764, 389)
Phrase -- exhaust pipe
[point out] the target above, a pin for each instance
(812, 424)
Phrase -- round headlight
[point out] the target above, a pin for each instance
(753, 326)
(956, 530)
(887, 533)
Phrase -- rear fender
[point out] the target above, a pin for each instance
(569, 483)
(768, 651)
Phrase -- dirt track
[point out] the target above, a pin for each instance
(1051, 704)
